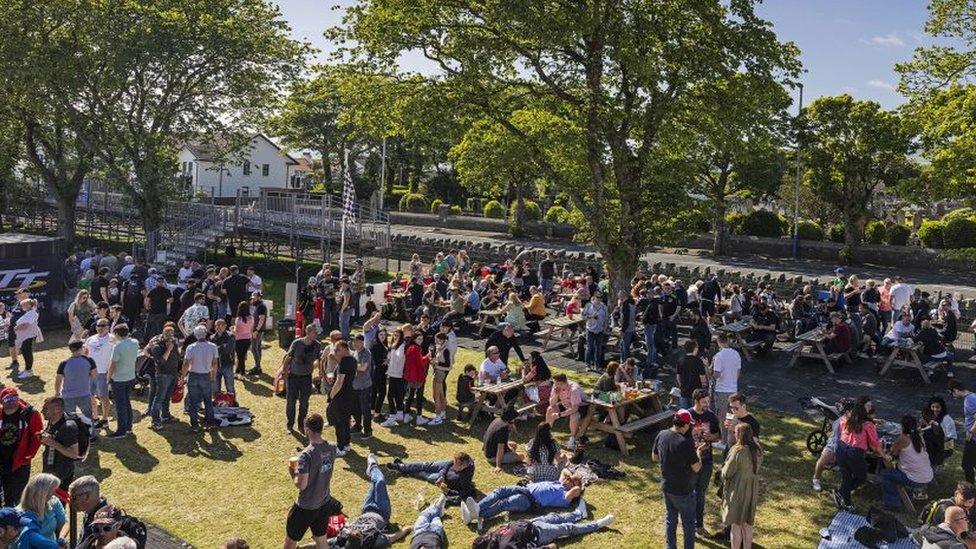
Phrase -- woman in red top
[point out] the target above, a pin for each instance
(415, 372)
(857, 435)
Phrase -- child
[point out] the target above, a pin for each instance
(442, 366)
(465, 396)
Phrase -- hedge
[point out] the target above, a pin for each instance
(532, 210)
(875, 232)
(835, 233)
(960, 232)
(932, 233)
(494, 210)
(557, 214)
(897, 235)
(413, 202)
(435, 205)
(455, 210)
(808, 230)
(758, 223)
(959, 212)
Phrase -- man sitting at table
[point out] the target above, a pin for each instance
(493, 368)
(764, 322)
(933, 349)
(839, 337)
(903, 329)
(566, 401)
(505, 340)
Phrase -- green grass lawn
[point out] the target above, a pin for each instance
(207, 487)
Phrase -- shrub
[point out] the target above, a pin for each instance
(532, 210)
(494, 210)
(557, 214)
(960, 232)
(835, 233)
(472, 204)
(435, 205)
(455, 209)
(874, 232)
(932, 233)
(758, 223)
(897, 235)
(808, 230)
(959, 212)
(846, 255)
(413, 202)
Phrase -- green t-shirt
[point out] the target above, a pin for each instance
(124, 356)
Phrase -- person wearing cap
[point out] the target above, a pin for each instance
(20, 439)
(345, 307)
(497, 447)
(106, 528)
(680, 463)
(11, 523)
(200, 371)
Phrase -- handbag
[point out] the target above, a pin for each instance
(177, 395)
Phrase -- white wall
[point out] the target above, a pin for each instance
(206, 175)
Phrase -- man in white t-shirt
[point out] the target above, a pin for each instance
(901, 295)
(185, 273)
(200, 370)
(493, 369)
(726, 365)
(254, 281)
(98, 347)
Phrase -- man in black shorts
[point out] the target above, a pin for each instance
(311, 473)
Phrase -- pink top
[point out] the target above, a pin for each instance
(242, 328)
(867, 439)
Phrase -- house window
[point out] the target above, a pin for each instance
(265, 169)
(247, 168)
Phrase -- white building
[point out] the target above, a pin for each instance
(210, 169)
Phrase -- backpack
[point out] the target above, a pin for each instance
(513, 535)
(84, 433)
(135, 529)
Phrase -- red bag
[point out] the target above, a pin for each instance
(222, 399)
(336, 522)
(177, 394)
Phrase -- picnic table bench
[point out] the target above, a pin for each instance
(499, 391)
(737, 330)
(904, 354)
(492, 316)
(562, 325)
(612, 423)
(814, 339)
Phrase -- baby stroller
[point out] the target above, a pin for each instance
(827, 413)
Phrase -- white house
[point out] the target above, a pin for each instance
(211, 169)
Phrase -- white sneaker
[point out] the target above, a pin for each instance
(421, 420)
(436, 420)
(440, 504)
(371, 461)
(469, 510)
(25, 374)
(390, 422)
(816, 485)
(407, 418)
(571, 444)
(605, 521)
(340, 452)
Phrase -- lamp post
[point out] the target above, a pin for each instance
(796, 184)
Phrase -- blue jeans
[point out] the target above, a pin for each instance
(159, 405)
(122, 394)
(649, 331)
(506, 498)
(626, 338)
(594, 349)
(546, 284)
(83, 404)
(198, 388)
(429, 520)
(345, 319)
(683, 506)
(562, 525)
(890, 479)
(701, 490)
(669, 331)
(431, 471)
(377, 499)
(225, 373)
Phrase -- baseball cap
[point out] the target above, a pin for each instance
(9, 395)
(683, 417)
(105, 515)
(10, 517)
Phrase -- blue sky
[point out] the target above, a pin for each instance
(848, 46)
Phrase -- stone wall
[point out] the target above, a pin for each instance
(483, 224)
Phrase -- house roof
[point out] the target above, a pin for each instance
(205, 151)
(303, 165)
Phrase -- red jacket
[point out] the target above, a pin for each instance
(415, 364)
(30, 435)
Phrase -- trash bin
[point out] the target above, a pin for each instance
(286, 332)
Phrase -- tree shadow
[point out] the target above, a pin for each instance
(128, 451)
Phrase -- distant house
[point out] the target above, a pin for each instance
(218, 169)
(302, 176)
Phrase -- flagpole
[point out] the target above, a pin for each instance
(342, 232)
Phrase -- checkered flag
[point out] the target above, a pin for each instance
(348, 195)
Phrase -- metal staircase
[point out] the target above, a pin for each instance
(190, 229)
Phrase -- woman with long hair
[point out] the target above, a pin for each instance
(27, 331)
(857, 435)
(938, 406)
(379, 351)
(415, 366)
(79, 313)
(243, 329)
(544, 458)
(741, 485)
(394, 374)
(914, 467)
(43, 510)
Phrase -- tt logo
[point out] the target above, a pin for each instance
(28, 279)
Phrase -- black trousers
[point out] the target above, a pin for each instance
(298, 390)
(398, 388)
(363, 415)
(27, 352)
(969, 461)
(241, 347)
(340, 412)
(13, 484)
(379, 392)
(416, 395)
(853, 469)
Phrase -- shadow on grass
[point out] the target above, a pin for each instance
(215, 444)
(259, 386)
(33, 385)
(128, 451)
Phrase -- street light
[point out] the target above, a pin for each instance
(796, 185)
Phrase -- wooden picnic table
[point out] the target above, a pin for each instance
(562, 325)
(738, 331)
(499, 390)
(493, 315)
(814, 339)
(651, 415)
(911, 359)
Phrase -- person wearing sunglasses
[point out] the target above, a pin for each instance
(103, 521)
(950, 533)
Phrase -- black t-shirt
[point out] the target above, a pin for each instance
(496, 434)
(347, 367)
(765, 317)
(260, 309)
(751, 420)
(871, 295)
(132, 294)
(547, 269)
(96, 288)
(676, 453)
(9, 439)
(157, 299)
(705, 423)
(65, 433)
(464, 392)
(236, 287)
(690, 368)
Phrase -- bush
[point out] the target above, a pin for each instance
(808, 230)
(932, 233)
(472, 204)
(557, 214)
(494, 210)
(874, 232)
(835, 233)
(846, 255)
(435, 205)
(960, 232)
(897, 235)
(532, 210)
(413, 202)
(455, 209)
(959, 213)
(758, 223)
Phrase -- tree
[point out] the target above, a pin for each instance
(735, 124)
(938, 83)
(617, 72)
(851, 148)
(167, 71)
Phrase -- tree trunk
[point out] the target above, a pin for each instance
(518, 220)
(720, 243)
(621, 262)
(326, 167)
(67, 216)
(854, 231)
